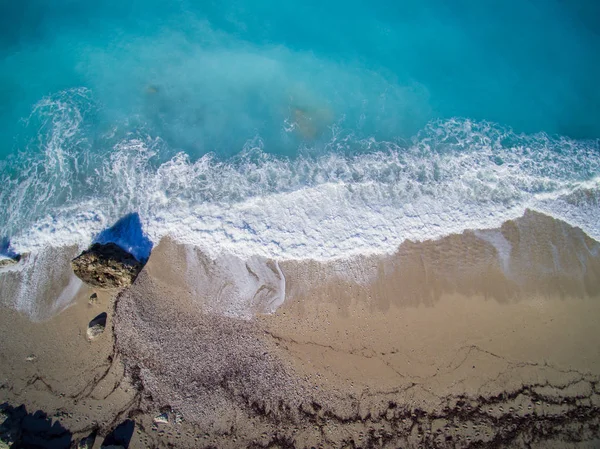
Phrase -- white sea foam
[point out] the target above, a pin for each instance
(41, 284)
(234, 287)
(360, 196)
(498, 241)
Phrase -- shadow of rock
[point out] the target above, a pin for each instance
(21, 429)
(99, 320)
(127, 233)
(7, 255)
(121, 435)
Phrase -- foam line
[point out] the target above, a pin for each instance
(355, 196)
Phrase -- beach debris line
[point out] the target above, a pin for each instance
(96, 326)
(106, 266)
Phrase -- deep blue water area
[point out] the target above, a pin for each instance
(207, 76)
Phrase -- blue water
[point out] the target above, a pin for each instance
(183, 111)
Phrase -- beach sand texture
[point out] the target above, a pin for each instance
(483, 339)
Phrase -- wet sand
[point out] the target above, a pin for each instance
(484, 339)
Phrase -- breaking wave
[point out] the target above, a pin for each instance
(349, 195)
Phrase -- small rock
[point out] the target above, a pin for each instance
(8, 261)
(96, 326)
(93, 299)
(94, 331)
(163, 418)
(106, 266)
(30, 358)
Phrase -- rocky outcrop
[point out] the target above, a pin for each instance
(8, 261)
(106, 266)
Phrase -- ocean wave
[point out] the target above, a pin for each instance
(353, 195)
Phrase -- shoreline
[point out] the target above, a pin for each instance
(447, 343)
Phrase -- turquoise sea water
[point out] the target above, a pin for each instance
(296, 129)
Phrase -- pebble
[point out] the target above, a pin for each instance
(163, 418)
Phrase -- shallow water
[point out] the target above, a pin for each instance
(308, 129)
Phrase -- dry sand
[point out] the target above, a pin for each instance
(484, 339)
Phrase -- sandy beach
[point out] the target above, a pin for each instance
(483, 339)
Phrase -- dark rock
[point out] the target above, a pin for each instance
(106, 266)
(93, 299)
